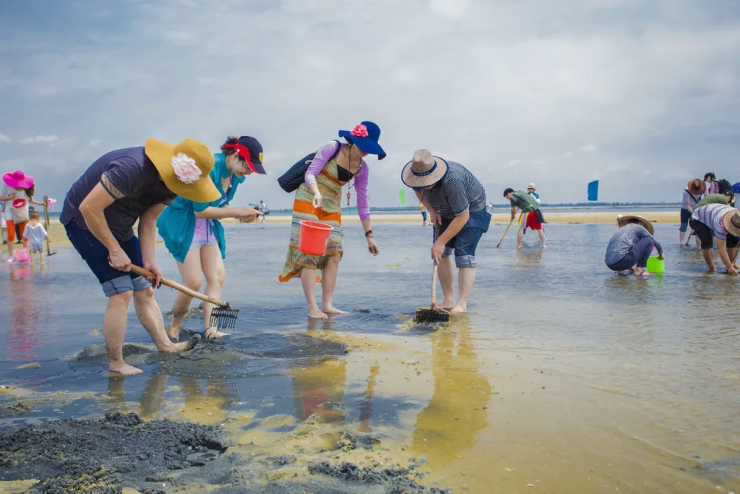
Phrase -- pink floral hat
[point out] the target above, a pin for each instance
(18, 180)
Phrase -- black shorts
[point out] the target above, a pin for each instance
(706, 236)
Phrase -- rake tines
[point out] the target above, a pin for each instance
(224, 317)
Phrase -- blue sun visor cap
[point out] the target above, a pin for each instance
(365, 136)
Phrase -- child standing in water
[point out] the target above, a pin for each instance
(35, 236)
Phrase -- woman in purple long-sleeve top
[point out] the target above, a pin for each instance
(320, 199)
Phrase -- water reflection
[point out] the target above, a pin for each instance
(366, 407)
(26, 309)
(319, 382)
(454, 415)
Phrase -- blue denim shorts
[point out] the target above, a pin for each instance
(95, 255)
(466, 241)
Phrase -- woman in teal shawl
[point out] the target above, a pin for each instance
(193, 233)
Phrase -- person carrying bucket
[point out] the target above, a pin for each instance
(720, 223)
(100, 210)
(456, 202)
(318, 199)
(631, 246)
(692, 194)
(193, 234)
(18, 190)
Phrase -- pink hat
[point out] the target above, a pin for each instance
(18, 180)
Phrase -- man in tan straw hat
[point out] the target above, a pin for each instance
(718, 222)
(456, 202)
(100, 210)
(630, 247)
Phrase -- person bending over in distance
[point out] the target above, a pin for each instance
(631, 245)
(720, 223)
(522, 200)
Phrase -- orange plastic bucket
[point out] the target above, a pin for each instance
(314, 237)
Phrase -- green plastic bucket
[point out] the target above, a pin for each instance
(655, 265)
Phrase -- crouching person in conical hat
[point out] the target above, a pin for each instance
(630, 247)
(456, 202)
(100, 210)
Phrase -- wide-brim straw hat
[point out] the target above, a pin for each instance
(696, 186)
(731, 220)
(197, 187)
(424, 170)
(623, 219)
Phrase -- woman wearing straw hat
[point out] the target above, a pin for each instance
(630, 247)
(119, 189)
(692, 194)
(319, 199)
(720, 223)
(193, 233)
(456, 202)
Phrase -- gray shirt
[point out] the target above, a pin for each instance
(622, 241)
(457, 192)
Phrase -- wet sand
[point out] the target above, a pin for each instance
(564, 378)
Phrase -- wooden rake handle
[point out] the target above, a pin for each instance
(506, 231)
(177, 286)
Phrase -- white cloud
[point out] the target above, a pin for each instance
(40, 140)
(5, 139)
(516, 162)
(589, 148)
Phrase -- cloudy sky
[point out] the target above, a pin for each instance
(641, 94)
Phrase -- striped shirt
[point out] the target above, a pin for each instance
(457, 192)
(711, 215)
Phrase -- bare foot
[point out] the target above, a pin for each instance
(332, 310)
(174, 333)
(459, 309)
(185, 345)
(712, 269)
(315, 313)
(125, 369)
(543, 246)
(518, 246)
(213, 332)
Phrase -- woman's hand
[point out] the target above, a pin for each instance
(119, 260)
(317, 201)
(661, 257)
(156, 271)
(372, 246)
(246, 214)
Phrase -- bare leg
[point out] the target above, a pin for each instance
(681, 238)
(151, 318)
(447, 280)
(41, 256)
(519, 237)
(114, 330)
(213, 268)
(465, 280)
(708, 255)
(192, 277)
(698, 242)
(328, 283)
(543, 239)
(308, 280)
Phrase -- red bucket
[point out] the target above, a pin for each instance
(314, 237)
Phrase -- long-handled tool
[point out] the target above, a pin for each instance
(689, 239)
(506, 231)
(46, 225)
(432, 314)
(222, 315)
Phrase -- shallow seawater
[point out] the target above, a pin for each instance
(563, 378)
